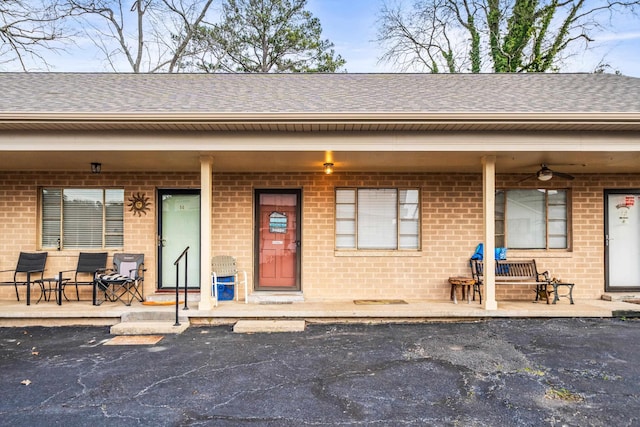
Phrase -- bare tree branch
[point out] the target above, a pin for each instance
(492, 35)
(142, 34)
(29, 29)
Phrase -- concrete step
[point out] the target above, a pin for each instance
(150, 322)
(159, 315)
(275, 297)
(268, 326)
(621, 296)
(152, 327)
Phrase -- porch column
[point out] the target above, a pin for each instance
(489, 225)
(206, 188)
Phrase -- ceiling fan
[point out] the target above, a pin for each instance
(545, 174)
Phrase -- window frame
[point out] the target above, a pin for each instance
(501, 238)
(105, 234)
(398, 220)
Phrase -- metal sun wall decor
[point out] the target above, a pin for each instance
(138, 204)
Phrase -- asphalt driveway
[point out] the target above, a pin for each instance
(553, 372)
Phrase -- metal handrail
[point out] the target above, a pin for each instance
(176, 263)
(184, 253)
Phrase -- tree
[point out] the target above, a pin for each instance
(141, 33)
(261, 36)
(492, 35)
(28, 29)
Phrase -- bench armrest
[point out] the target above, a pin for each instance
(545, 276)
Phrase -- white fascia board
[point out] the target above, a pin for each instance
(273, 142)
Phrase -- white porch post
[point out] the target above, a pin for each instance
(206, 187)
(489, 225)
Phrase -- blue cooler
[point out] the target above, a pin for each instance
(226, 288)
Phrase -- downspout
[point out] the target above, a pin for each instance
(489, 225)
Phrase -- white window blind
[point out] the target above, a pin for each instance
(51, 217)
(409, 219)
(82, 218)
(377, 219)
(385, 218)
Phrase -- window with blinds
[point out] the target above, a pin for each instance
(380, 218)
(532, 219)
(75, 218)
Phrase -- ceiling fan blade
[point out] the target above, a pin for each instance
(563, 175)
(526, 178)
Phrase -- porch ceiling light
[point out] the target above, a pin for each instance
(328, 168)
(96, 167)
(545, 174)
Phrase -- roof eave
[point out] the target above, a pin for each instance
(315, 118)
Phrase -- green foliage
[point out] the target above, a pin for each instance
(261, 36)
(502, 36)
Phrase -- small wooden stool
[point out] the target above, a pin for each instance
(465, 283)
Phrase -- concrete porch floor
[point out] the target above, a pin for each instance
(48, 313)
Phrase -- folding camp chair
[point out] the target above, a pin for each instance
(122, 283)
(89, 265)
(225, 280)
(28, 271)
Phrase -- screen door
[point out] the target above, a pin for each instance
(179, 227)
(277, 239)
(622, 240)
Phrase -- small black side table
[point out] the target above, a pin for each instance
(53, 285)
(557, 296)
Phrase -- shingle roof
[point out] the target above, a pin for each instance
(317, 93)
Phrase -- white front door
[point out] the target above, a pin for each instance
(622, 240)
(179, 228)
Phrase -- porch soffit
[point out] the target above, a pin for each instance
(606, 143)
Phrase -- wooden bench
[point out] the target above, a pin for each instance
(521, 272)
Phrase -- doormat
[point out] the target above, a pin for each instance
(161, 302)
(378, 301)
(134, 340)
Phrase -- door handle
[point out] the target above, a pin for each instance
(161, 242)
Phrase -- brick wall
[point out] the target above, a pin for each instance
(451, 228)
(19, 217)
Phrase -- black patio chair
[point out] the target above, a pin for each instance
(122, 283)
(89, 265)
(29, 271)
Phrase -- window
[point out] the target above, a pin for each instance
(382, 218)
(82, 218)
(532, 219)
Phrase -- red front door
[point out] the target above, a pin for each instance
(278, 239)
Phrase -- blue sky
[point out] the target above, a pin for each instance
(351, 26)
